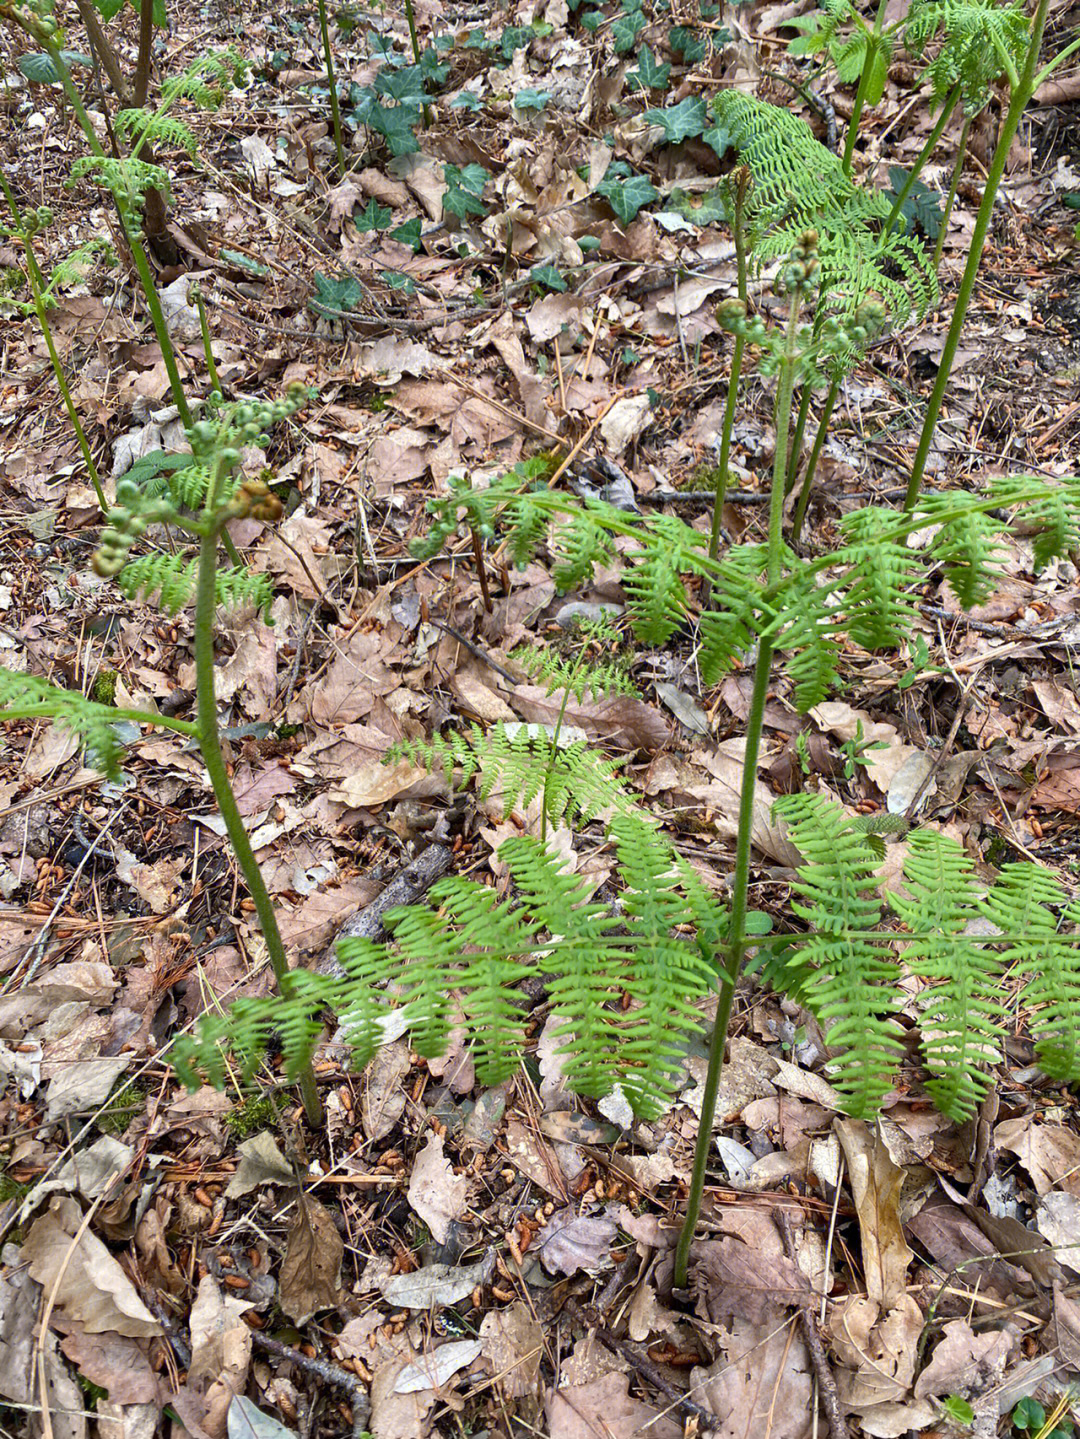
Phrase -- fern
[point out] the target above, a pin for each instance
(656, 595)
(1054, 990)
(581, 785)
(1055, 517)
(24, 696)
(853, 984)
(880, 611)
(973, 34)
(172, 579)
(961, 1011)
(803, 626)
(166, 130)
(800, 185)
(577, 675)
(729, 625)
(966, 545)
(579, 546)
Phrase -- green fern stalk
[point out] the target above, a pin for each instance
(1024, 87)
(37, 291)
(208, 348)
(815, 454)
(335, 108)
(873, 45)
(742, 182)
(954, 182)
(922, 157)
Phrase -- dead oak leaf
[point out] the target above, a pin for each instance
(436, 1193)
(311, 1269)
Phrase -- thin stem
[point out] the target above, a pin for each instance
(921, 159)
(410, 17)
(784, 391)
(795, 448)
(738, 226)
(958, 170)
(1020, 98)
(553, 751)
(335, 108)
(210, 747)
(1047, 70)
(815, 455)
(736, 952)
(481, 569)
(208, 349)
(37, 291)
(873, 40)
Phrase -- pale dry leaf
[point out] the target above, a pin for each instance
(962, 1359)
(605, 1408)
(20, 1301)
(878, 1349)
(747, 1075)
(67, 1408)
(513, 1344)
(527, 1151)
(394, 1415)
(744, 1280)
(126, 1421)
(1049, 1152)
(261, 1162)
(438, 1367)
(311, 1269)
(115, 1363)
(624, 422)
(760, 1382)
(1057, 1218)
(247, 1421)
(87, 1283)
(220, 1359)
(725, 763)
(569, 1243)
(875, 1187)
(438, 1195)
(374, 783)
(436, 1283)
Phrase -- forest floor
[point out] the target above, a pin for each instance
(444, 1259)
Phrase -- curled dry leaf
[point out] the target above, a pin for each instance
(583, 1411)
(513, 1344)
(875, 1187)
(437, 1194)
(261, 1162)
(571, 1242)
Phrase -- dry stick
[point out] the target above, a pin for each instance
(559, 374)
(405, 888)
(326, 1371)
(826, 1383)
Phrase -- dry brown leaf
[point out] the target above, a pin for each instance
(570, 1242)
(746, 1281)
(220, 1358)
(527, 1151)
(88, 1284)
(20, 1302)
(382, 1102)
(115, 1363)
(437, 1194)
(963, 1359)
(1049, 1152)
(878, 1350)
(875, 1188)
(311, 1269)
(513, 1341)
(605, 1409)
(760, 1383)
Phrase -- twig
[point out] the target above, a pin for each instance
(328, 1373)
(297, 660)
(826, 1383)
(633, 1354)
(405, 888)
(476, 650)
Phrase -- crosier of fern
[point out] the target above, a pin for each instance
(198, 500)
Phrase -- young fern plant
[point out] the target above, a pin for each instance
(198, 500)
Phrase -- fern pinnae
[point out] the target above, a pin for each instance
(365, 1003)
(1053, 992)
(961, 1009)
(430, 954)
(854, 986)
(880, 610)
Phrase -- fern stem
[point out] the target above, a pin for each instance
(331, 79)
(872, 43)
(481, 569)
(738, 230)
(736, 952)
(208, 349)
(795, 448)
(37, 291)
(782, 425)
(815, 455)
(210, 747)
(142, 264)
(921, 159)
(410, 17)
(954, 181)
(1021, 95)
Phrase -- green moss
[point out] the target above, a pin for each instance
(125, 1101)
(104, 689)
(251, 1115)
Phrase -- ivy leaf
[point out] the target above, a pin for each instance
(515, 37)
(531, 99)
(406, 85)
(409, 234)
(627, 197)
(335, 294)
(922, 206)
(40, 69)
(592, 19)
(466, 100)
(108, 9)
(465, 187)
(432, 68)
(650, 74)
(548, 276)
(689, 44)
(373, 217)
(688, 117)
(397, 280)
(395, 124)
(708, 209)
(625, 30)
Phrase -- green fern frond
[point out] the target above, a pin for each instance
(126, 180)
(803, 627)
(653, 579)
(670, 974)
(172, 578)
(853, 988)
(1055, 517)
(205, 79)
(237, 588)
(364, 1002)
(729, 626)
(587, 970)
(800, 185)
(880, 611)
(580, 676)
(24, 696)
(429, 952)
(973, 33)
(581, 784)
(961, 1011)
(579, 545)
(162, 130)
(967, 545)
(1053, 991)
